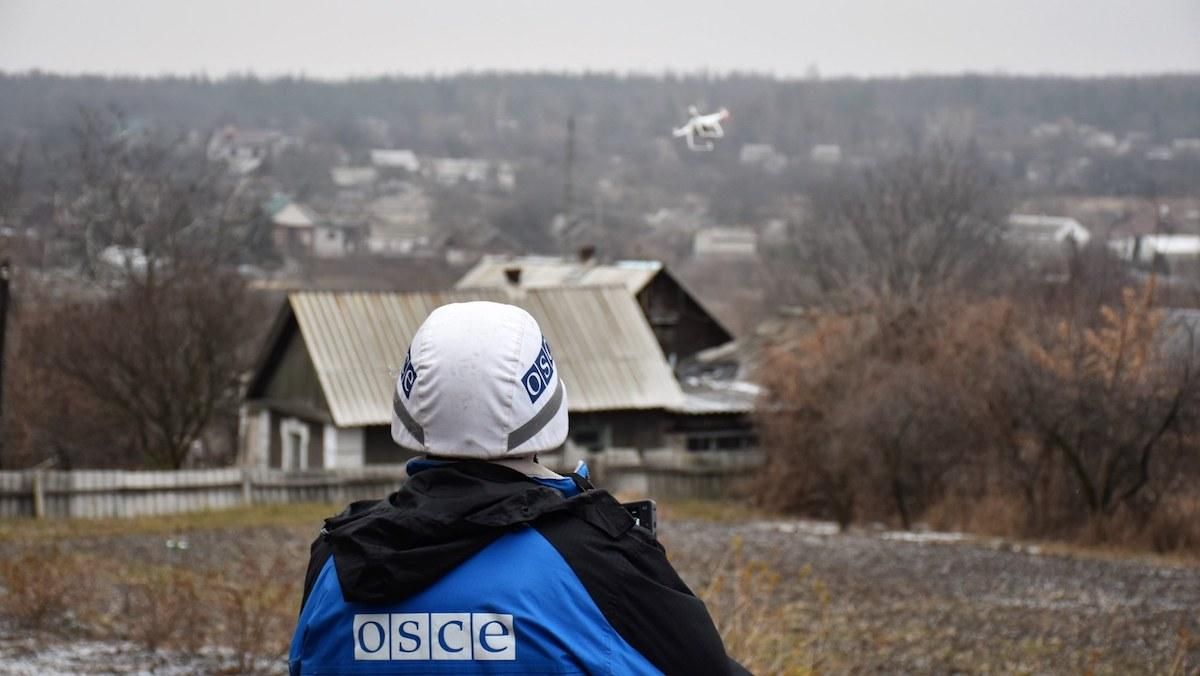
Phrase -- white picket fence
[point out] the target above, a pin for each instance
(116, 493)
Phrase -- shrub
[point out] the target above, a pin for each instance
(258, 608)
(164, 607)
(41, 587)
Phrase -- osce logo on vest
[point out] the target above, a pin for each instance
(434, 636)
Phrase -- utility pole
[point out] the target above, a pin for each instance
(4, 275)
(568, 182)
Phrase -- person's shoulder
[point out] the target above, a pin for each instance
(595, 520)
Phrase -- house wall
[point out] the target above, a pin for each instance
(681, 326)
(329, 242)
(326, 446)
(254, 436)
(291, 241)
(343, 447)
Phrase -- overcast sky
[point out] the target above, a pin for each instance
(369, 37)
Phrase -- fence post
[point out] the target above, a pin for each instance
(247, 488)
(39, 496)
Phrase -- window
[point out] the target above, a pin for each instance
(730, 443)
(293, 435)
(721, 440)
(295, 448)
(593, 439)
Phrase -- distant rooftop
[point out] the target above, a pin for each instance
(295, 215)
(548, 271)
(1146, 247)
(1047, 228)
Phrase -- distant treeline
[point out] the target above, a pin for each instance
(524, 115)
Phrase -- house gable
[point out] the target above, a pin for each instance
(286, 378)
(680, 323)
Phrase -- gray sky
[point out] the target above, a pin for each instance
(368, 37)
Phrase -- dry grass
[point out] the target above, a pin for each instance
(237, 589)
(301, 514)
(1168, 534)
(712, 511)
(242, 602)
(1179, 663)
(759, 629)
(248, 607)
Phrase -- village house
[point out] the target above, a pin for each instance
(353, 177)
(404, 160)
(763, 156)
(1047, 242)
(300, 232)
(826, 153)
(681, 324)
(450, 171)
(400, 223)
(1177, 256)
(321, 394)
(244, 150)
(725, 243)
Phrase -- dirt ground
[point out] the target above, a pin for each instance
(791, 596)
(942, 603)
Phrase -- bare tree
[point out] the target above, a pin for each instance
(138, 188)
(134, 371)
(162, 358)
(868, 400)
(915, 225)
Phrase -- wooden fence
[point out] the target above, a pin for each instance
(115, 494)
(680, 474)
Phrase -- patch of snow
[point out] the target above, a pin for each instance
(821, 528)
(42, 655)
(926, 536)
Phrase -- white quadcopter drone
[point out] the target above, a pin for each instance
(702, 126)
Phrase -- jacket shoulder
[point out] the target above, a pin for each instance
(626, 572)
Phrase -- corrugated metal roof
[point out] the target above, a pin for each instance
(544, 271)
(608, 354)
(704, 396)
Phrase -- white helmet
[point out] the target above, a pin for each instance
(480, 382)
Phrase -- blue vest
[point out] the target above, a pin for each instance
(514, 608)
